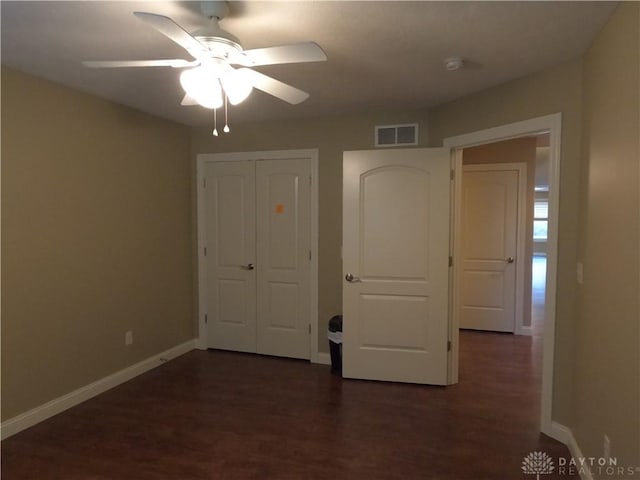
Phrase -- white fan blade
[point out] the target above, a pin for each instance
(275, 87)
(171, 29)
(176, 63)
(188, 101)
(293, 53)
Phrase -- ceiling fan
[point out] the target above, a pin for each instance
(221, 68)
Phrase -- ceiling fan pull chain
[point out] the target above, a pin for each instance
(215, 123)
(226, 128)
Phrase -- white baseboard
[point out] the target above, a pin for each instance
(561, 433)
(200, 343)
(60, 404)
(322, 358)
(528, 331)
(565, 435)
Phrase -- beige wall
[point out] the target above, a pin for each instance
(96, 221)
(607, 334)
(331, 137)
(522, 150)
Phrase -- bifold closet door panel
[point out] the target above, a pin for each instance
(283, 251)
(231, 256)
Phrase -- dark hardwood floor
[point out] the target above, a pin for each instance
(222, 415)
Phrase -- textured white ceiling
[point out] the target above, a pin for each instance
(382, 54)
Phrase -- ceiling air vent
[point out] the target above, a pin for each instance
(396, 135)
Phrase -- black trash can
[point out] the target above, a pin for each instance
(335, 343)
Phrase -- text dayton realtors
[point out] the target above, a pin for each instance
(594, 465)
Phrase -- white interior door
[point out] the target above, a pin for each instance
(489, 223)
(284, 246)
(230, 260)
(395, 258)
(256, 214)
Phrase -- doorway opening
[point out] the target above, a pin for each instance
(536, 127)
(504, 232)
(501, 268)
(540, 235)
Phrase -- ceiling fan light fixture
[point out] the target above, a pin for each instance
(202, 85)
(237, 85)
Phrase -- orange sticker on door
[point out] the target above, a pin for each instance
(279, 208)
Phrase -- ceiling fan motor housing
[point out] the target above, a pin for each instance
(219, 42)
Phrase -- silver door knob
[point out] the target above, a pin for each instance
(350, 278)
(510, 260)
(248, 267)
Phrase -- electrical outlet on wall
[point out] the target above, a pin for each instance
(128, 337)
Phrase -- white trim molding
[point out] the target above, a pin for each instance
(551, 124)
(322, 358)
(565, 435)
(36, 415)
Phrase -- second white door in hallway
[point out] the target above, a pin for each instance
(258, 235)
(492, 213)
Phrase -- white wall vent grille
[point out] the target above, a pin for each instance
(396, 135)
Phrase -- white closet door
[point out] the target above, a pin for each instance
(231, 240)
(284, 264)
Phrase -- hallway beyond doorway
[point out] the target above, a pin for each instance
(538, 286)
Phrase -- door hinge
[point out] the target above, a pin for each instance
(205, 251)
(451, 261)
(309, 329)
(204, 183)
(309, 255)
(309, 180)
(453, 175)
(448, 345)
(205, 318)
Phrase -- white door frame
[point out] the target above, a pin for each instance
(202, 159)
(521, 168)
(552, 124)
